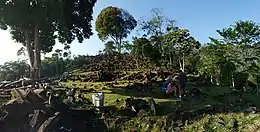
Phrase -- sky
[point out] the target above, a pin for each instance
(201, 17)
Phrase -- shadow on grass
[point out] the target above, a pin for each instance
(179, 113)
(213, 100)
(213, 96)
(153, 92)
(220, 102)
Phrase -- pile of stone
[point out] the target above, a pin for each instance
(140, 107)
(43, 110)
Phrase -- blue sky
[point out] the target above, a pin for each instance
(201, 17)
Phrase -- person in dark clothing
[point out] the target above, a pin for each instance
(182, 81)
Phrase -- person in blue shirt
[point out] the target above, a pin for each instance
(165, 84)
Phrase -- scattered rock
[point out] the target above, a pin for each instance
(34, 110)
(152, 106)
(251, 110)
(177, 129)
(142, 113)
(179, 123)
(233, 123)
(138, 105)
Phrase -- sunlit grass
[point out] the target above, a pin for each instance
(215, 95)
(113, 94)
(224, 122)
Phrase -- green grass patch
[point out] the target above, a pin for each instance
(166, 105)
(216, 90)
(114, 96)
(225, 123)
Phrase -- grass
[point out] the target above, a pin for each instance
(112, 94)
(167, 104)
(225, 123)
(210, 123)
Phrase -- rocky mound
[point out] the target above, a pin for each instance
(43, 111)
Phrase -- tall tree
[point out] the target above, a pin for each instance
(144, 48)
(157, 26)
(114, 23)
(179, 43)
(59, 60)
(217, 62)
(13, 70)
(245, 37)
(242, 40)
(109, 47)
(34, 23)
(240, 33)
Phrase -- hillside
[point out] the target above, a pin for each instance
(205, 108)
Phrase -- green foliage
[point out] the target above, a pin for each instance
(240, 80)
(128, 47)
(192, 61)
(14, 70)
(235, 56)
(36, 24)
(79, 61)
(143, 47)
(52, 15)
(179, 43)
(241, 33)
(225, 122)
(49, 66)
(115, 23)
(218, 62)
(58, 64)
(155, 27)
(109, 47)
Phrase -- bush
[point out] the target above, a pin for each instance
(240, 79)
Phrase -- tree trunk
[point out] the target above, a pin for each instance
(171, 60)
(180, 63)
(257, 84)
(57, 65)
(37, 56)
(30, 53)
(233, 80)
(183, 60)
(257, 92)
(211, 79)
(119, 46)
(246, 86)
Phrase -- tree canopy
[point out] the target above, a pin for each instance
(179, 43)
(114, 23)
(236, 52)
(109, 47)
(36, 24)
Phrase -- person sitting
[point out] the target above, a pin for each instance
(172, 87)
(165, 84)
